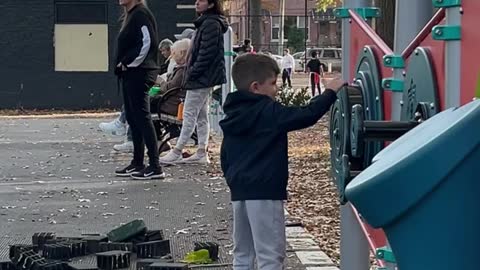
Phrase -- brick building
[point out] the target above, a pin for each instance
(322, 27)
(59, 53)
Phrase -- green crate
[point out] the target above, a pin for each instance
(127, 231)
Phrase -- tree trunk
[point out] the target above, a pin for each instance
(255, 23)
(385, 25)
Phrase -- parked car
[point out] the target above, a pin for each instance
(328, 56)
(278, 59)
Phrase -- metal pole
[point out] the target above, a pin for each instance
(248, 18)
(354, 250)
(411, 17)
(281, 34)
(452, 62)
(306, 32)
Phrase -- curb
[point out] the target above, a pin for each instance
(59, 116)
(307, 251)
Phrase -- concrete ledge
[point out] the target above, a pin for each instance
(306, 249)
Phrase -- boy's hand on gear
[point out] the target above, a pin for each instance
(335, 83)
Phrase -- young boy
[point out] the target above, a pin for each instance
(254, 158)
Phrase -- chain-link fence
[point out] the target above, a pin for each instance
(314, 30)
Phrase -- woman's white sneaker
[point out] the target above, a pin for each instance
(126, 147)
(171, 158)
(197, 159)
(114, 128)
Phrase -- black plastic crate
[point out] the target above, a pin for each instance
(153, 249)
(104, 247)
(69, 238)
(16, 249)
(147, 236)
(28, 259)
(39, 239)
(65, 249)
(154, 235)
(78, 248)
(142, 264)
(57, 252)
(7, 265)
(94, 241)
(210, 246)
(82, 266)
(113, 260)
(51, 266)
(168, 266)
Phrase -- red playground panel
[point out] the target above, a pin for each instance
(470, 67)
(362, 35)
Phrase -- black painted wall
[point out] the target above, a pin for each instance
(27, 74)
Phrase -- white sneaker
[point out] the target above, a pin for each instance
(124, 147)
(171, 158)
(114, 128)
(197, 159)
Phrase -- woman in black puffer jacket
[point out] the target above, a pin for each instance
(205, 69)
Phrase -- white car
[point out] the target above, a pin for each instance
(278, 59)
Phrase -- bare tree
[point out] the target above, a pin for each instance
(255, 21)
(385, 25)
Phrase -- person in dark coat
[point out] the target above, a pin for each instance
(137, 67)
(205, 69)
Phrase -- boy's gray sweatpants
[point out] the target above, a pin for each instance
(258, 232)
(195, 113)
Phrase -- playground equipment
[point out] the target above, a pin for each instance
(404, 96)
(216, 112)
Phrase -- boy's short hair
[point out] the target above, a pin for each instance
(314, 54)
(249, 68)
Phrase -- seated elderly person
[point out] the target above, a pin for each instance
(173, 84)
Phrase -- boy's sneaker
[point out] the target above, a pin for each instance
(171, 158)
(149, 173)
(114, 128)
(197, 159)
(129, 170)
(127, 147)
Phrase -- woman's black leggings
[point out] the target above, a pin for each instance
(136, 84)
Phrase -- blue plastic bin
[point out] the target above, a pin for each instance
(424, 191)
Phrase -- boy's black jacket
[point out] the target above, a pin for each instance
(254, 153)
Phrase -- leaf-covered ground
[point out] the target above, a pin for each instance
(313, 196)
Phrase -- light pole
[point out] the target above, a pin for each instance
(306, 33)
(281, 34)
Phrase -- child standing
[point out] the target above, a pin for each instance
(315, 67)
(254, 157)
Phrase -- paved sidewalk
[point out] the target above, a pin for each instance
(57, 175)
